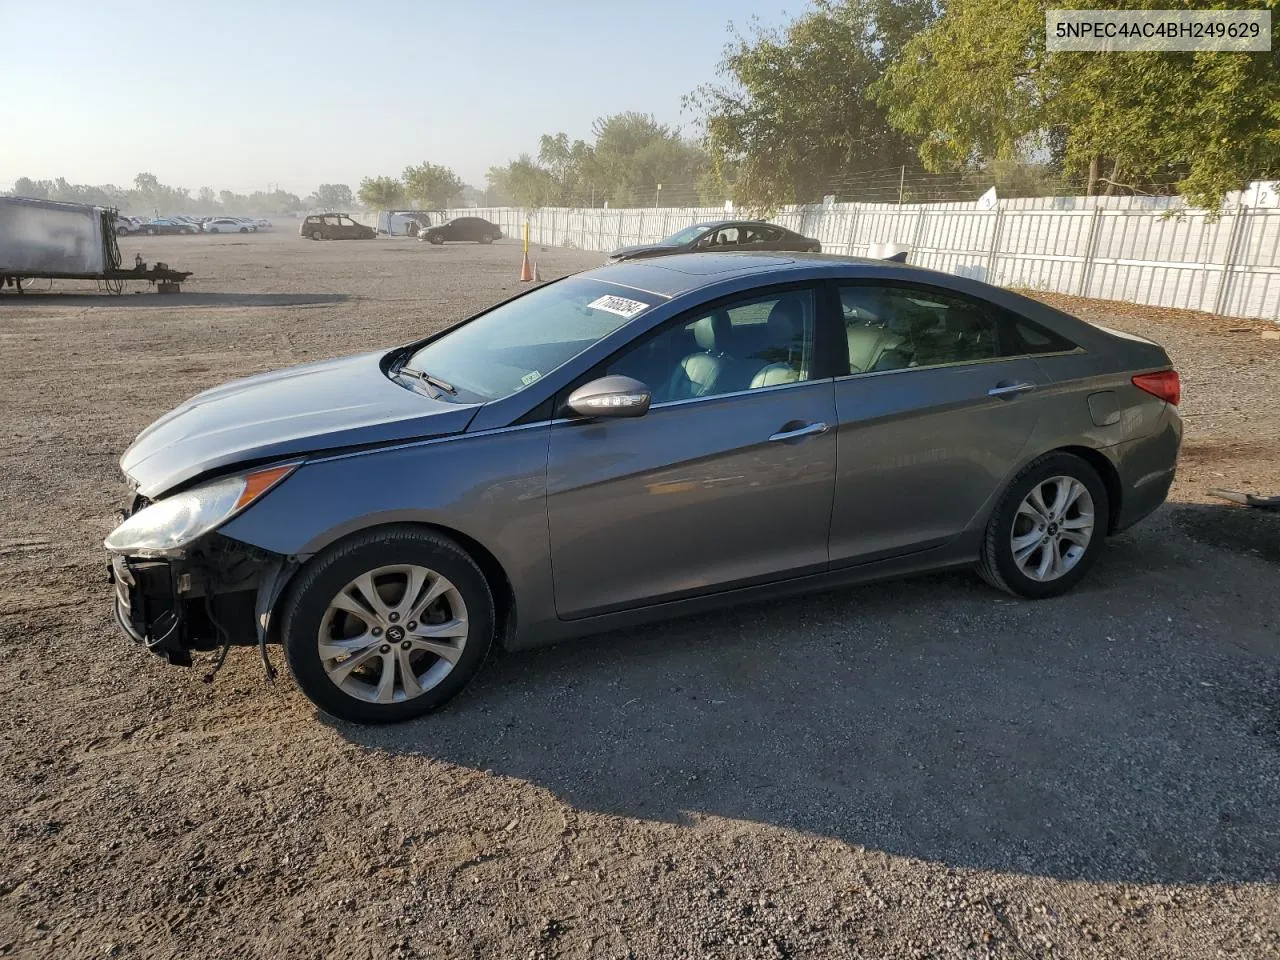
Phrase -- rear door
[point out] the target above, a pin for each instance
(939, 404)
(727, 480)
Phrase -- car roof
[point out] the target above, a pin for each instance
(683, 273)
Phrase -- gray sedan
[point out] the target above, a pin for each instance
(637, 442)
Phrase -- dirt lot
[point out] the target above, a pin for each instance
(917, 769)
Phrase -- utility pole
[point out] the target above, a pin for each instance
(657, 196)
(902, 178)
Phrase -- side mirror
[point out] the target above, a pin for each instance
(612, 396)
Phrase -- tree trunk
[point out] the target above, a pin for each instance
(1093, 177)
(1114, 178)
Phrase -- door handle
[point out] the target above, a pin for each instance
(1007, 391)
(808, 430)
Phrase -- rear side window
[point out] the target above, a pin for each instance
(901, 327)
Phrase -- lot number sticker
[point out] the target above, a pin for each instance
(619, 305)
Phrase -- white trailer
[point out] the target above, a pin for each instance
(44, 239)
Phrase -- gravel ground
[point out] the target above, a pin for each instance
(916, 769)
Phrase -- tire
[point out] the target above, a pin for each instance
(213, 230)
(244, 229)
(151, 231)
(310, 613)
(317, 235)
(1060, 534)
(122, 231)
(435, 238)
(486, 238)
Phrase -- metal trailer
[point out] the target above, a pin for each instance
(45, 239)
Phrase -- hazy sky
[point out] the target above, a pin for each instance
(237, 95)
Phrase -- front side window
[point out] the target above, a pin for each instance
(902, 327)
(519, 342)
(759, 342)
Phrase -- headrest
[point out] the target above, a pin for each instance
(786, 320)
(712, 333)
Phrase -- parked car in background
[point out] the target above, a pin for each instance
(335, 226)
(474, 229)
(637, 442)
(261, 223)
(226, 225)
(168, 225)
(126, 225)
(722, 236)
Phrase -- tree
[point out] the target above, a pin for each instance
(332, 196)
(26, 187)
(794, 112)
(432, 185)
(978, 86)
(633, 153)
(381, 193)
(207, 199)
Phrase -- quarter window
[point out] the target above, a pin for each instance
(901, 327)
(756, 343)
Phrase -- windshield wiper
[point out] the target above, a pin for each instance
(429, 380)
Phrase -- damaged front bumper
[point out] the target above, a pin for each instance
(217, 592)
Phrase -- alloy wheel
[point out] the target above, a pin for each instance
(392, 634)
(1052, 528)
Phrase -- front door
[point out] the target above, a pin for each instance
(727, 480)
(941, 402)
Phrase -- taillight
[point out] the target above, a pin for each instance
(1166, 385)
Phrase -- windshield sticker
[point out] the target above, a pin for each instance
(619, 305)
(529, 378)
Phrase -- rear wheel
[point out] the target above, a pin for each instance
(317, 235)
(388, 626)
(213, 229)
(122, 231)
(1047, 529)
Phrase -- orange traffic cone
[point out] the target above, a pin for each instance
(526, 271)
(537, 274)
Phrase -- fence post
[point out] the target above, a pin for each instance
(853, 231)
(1229, 259)
(915, 237)
(1090, 248)
(995, 246)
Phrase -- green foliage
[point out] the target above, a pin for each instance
(978, 85)
(794, 113)
(381, 193)
(332, 197)
(631, 154)
(431, 185)
(150, 197)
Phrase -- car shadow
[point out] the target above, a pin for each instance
(132, 300)
(1126, 732)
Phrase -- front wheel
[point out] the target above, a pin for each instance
(436, 239)
(317, 235)
(213, 229)
(122, 231)
(388, 625)
(486, 238)
(1047, 529)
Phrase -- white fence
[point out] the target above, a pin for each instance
(1137, 249)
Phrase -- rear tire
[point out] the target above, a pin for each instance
(317, 235)
(318, 612)
(1038, 553)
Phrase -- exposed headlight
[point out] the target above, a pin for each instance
(170, 524)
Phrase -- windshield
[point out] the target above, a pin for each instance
(687, 235)
(520, 342)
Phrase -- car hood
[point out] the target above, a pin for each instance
(318, 406)
(643, 250)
